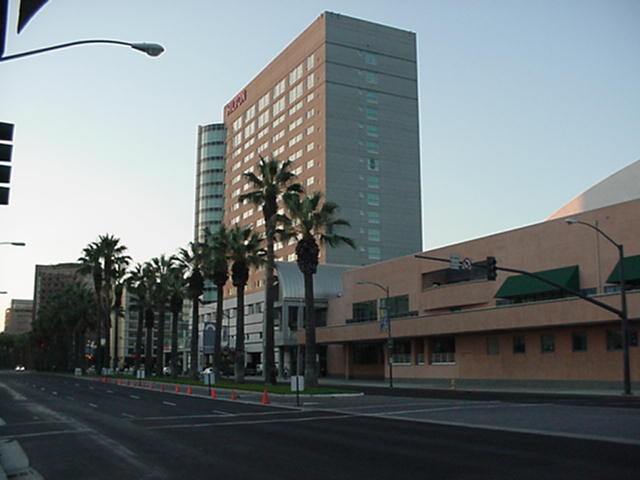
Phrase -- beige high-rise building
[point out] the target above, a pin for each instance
(341, 102)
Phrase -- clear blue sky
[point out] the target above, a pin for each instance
(523, 105)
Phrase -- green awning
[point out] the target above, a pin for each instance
(523, 285)
(631, 270)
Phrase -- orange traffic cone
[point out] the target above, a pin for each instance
(234, 396)
(151, 385)
(265, 397)
(214, 394)
(189, 391)
(177, 389)
(162, 387)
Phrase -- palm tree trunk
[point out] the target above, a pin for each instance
(148, 353)
(310, 370)
(269, 340)
(160, 351)
(239, 359)
(139, 338)
(174, 344)
(195, 313)
(217, 339)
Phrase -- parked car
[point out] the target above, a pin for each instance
(19, 368)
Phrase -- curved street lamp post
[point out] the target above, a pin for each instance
(623, 303)
(387, 323)
(151, 49)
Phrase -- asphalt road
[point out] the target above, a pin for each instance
(78, 429)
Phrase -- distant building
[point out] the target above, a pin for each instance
(18, 317)
(50, 279)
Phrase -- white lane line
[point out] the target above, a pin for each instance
(14, 395)
(249, 422)
(109, 391)
(221, 414)
(171, 404)
(134, 397)
(42, 434)
(93, 405)
(439, 409)
(127, 415)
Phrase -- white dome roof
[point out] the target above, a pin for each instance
(622, 186)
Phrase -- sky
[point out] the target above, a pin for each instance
(523, 106)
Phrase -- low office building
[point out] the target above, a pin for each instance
(18, 317)
(455, 324)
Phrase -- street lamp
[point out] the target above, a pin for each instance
(623, 303)
(151, 49)
(388, 325)
(15, 244)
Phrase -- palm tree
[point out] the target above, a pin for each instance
(112, 253)
(137, 283)
(176, 300)
(161, 270)
(91, 264)
(274, 179)
(193, 259)
(244, 252)
(312, 221)
(217, 270)
(103, 259)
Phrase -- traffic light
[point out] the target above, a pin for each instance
(492, 270)
(6, 149)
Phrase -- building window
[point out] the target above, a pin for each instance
(310, 62)
(373, 164)
(374, 217)
(373, 199)
(372, 97)
(372, 130)
(373, 182)
(279, 88)
(579, 341)
(401, 352)
(614, 339)
(519, 344)
(493, 346)
(372, 113)
(370, 59)
(367, 354)
(374, 253)
(373, 235)
(371, 77)
(373, 147)
(364, 311)
(443, 350)
(547, 343)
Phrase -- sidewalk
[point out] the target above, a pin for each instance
(540, 387)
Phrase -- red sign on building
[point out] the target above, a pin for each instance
(235, 103)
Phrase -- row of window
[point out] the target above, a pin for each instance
(547, 343)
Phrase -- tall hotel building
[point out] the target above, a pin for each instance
(340, 102)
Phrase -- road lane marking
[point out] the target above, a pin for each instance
(171, 404)
(127, 415)
(135, 397)
(221, 414)
(109, 391)
(251, 422)
(54, 393)
(70, 398)
(14, 395)
(42, 434)
(93, 405)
